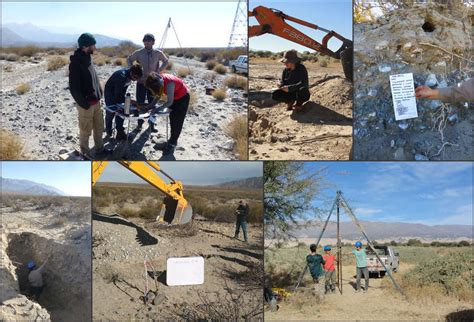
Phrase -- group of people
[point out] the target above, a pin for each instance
(146, 66)
(322, 268)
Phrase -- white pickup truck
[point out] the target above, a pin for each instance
(240, 65)
(387, 254)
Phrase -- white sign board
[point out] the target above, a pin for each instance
(184, 271)
(403, 95)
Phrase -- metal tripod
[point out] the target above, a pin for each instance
(340, 202)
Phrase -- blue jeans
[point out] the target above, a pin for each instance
(241, 223)
(109, 117)
(142, 94)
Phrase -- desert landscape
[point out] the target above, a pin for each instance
(39, 117)
(125, 233)
(321, 131)
(39, 228)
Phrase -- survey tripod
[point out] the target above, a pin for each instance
(338, 203)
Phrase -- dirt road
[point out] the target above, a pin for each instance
(381, 302)
(322, 130)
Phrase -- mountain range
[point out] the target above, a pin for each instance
(26, 187)
(248, 183)
(383, 230)
(22, 34)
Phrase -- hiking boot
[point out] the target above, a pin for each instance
(169, 149)
(140, 124)
(152, 129)
(121, 135)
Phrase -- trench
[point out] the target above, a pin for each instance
(66, 276)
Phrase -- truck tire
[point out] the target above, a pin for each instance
(347, 59)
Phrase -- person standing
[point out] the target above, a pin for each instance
(361, 266)
(315, 264)
(150, 59)
(329, 270)
(294, 84)
(85, 89)
(35, 278)
(242, 213)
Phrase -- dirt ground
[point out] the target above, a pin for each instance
(233, 270)
(45, 117)
(36, 232)
(381, 302)
(322, 130)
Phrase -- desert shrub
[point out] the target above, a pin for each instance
(170, 65)
(180, 54)
(210, 64)
(236, 81)
(189, 56)
(451, 274)
(149, 210)
(128, 212)
(264, 53)
(120, 62)
(12, 57)
(237, 129)
(99, 60)
(26, 51)
(231, 54)
(205, 56)
(193, 99)
(55, 63)
(323, 62)
(220, 69)
(22, 88)
(183, 72)
(125, 49)
(219, 94)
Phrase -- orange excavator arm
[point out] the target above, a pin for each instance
(273, 21)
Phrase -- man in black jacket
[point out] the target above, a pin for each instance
(242, 213)
(294, 82)
(115, 91)
(85, 89)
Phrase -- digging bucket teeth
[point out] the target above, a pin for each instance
(176, 213)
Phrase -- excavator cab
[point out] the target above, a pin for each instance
(175, 212)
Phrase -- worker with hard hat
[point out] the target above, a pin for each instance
(35, 278)
(361, 266)
(329, 270)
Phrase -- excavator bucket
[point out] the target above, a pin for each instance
(175, 213)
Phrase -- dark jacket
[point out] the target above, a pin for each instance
(315, 264)
(242, 212)
(116, 87)
(295, 79)
(83, 88)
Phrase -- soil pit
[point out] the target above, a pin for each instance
(66, 277)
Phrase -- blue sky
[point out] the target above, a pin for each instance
(190, 173)
(73, 178)
(329, 14)
(198, 24)
(431, 193)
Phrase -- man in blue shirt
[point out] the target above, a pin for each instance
(361, 265)
(115, 91)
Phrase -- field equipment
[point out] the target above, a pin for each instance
(340, 202)
(272, 21)
(175, 209)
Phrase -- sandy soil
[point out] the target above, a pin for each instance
(381, 302)
(37, 234)
(232, 269)
(45, 118)
(322, 130)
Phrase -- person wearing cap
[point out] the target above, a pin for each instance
(329, 270)
(86, 90)
(150, 59)
(242, 213)
(463, 92)
(294, 85)
(315, 264)
(115, 91)
(177, 94)
(35, 278)
(361, 266)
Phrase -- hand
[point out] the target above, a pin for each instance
(284, 88)
(426, 92)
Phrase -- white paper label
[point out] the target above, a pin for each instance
(403, 95)
(184, 271)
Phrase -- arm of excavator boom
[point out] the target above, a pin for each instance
(272, 21)
(175, 209)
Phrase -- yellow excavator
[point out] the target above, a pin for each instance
(176, 209)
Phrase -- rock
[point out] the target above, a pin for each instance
(400, 142)
(421, 157)
(47, 119)
(392, 143)
(403, 125)
(180, 148)
(434, 104)
(431, 80)
(384, 68)
(195, 146)
(63, 150)
(273, 139)
(399, 154)
(453, 118)
(264, 124)
(381, 45)
(228, 145)
(252, 115)
(372, 92)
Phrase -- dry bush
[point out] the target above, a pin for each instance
(220, 69)
(128, 212)
(26, 51)
(205, 56)
(237, 129)
(183, 72)
(236, 81)
(211, 64)
(219, 94)
(99, 60)
(9, 57)
(169, 66)
(120, 62)
(193, 99)
(22, 88)
(231, 54)
(323, 62)
(55, 63)
(149, 210)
